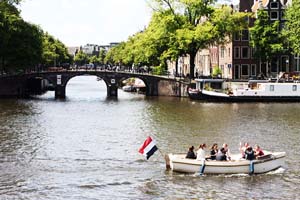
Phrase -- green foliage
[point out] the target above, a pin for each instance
(177, 28)
(158, 70)
(54, 52)
(24, 46)
(265, 37)
(101, 57)
(20, 42)
(292, 31)
(216, 71)
(81, 58)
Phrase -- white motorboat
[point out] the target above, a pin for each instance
(237, 165)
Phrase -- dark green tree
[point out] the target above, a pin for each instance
(266, 38)
(196, 25)
(81, 58)
(21, 42)
(292, 30)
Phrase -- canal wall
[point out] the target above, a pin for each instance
(12, 87)
(174, 89)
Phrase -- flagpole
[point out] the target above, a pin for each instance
(164, 156)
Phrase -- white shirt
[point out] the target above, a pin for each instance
(200, 154)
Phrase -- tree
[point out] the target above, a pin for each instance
(198, 25)
(102, 54)
(55, 53)
(21, 42)
(291, 30)
(265, 37)
(81, 58)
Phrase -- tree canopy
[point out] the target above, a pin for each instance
(177, 28)
(24, 45)
(265, 37)
(291, 30)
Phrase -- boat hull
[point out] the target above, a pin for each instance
(180, 164)
(231, 98)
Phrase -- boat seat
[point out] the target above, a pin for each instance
(267, 156)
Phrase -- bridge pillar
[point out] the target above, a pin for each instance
(60, 91)
(112, 88)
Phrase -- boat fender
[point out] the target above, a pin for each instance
(202, 167)
(251, 167)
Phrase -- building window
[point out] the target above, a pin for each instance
(272, 88)
(237, 36)
(236, 70)
(274, 5)
(274, 65)
(245, 35)
(252, 52)
(222, 52)
(229, 52)
(222, 68)
(274, 15)
(245, 52)
(294, 87)
(253, 70)
(236, 52)
(245, 70)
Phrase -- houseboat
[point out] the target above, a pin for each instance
(281, 90)
(205, 84)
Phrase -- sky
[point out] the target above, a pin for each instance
(80, 22)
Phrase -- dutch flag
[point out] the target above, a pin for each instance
(148, 148)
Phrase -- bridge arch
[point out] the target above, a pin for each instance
(126, 78)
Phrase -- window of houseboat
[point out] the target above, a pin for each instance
(271, 88)
(294, 87)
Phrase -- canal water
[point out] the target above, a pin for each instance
(86, 146)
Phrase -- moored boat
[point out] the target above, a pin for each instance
(205, 84)
(271, 161)
(251, 91)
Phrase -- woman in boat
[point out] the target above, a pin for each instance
(249, 153)
(221, 155)
(258, 151)
(213, 151)
(201, 152)
(190, 154)
(227, 151)
(243, 148)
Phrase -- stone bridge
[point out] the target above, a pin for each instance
(35, 83)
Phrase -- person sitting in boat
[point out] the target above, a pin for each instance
(249, 153)
(228, 154)
(201, 152)
(213, 151)
(258, 151)
(221, 155)
(243, 148)
(190, 154)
